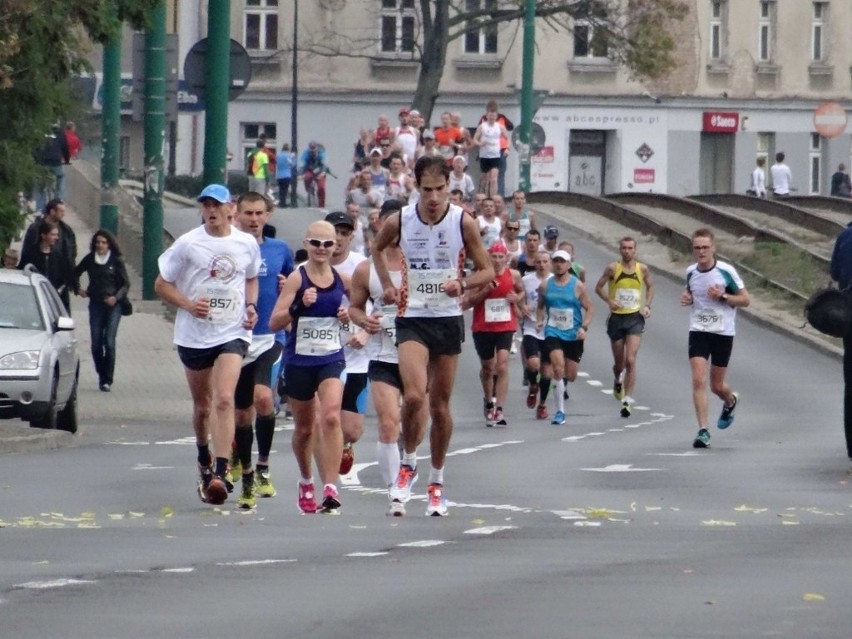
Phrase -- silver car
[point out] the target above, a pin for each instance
(39, 363)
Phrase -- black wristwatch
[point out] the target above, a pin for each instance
(252, 305)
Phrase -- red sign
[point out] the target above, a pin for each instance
(544, 156)
(830, 119)
(644, 176)
(721, 122)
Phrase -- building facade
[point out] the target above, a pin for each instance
(753, 77)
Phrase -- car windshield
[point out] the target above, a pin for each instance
(19, 307)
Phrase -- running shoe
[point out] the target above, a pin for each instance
(558, 418)
(499, 419)
(525, 382)
(436, 505)
(205, 476)
(513, 348)
(565, 395)
(490, 416)
(625, 409)
(307, 502)
(618, 390)
(248, 497)
(401, 488)
(541, 412)
(235, 468)
(727, 416)
(532, 396)
(396, 508)
(702, 439)
(330, 501)
(217, 491)
(347, 459)
(263, 486)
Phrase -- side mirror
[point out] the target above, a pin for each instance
(65, 324)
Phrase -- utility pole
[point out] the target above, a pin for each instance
(527, 79)
(110, 130)
(155, 129)
(294, 103)
(218, 82)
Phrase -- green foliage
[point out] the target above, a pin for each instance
(41, 45)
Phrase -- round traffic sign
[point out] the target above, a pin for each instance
(195, 69)
(830, 119)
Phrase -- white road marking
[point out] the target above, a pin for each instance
(256, 562)
(594, 382)
(488, 530)
(53, 583)
(568, 514)
(620, 468)
(366, 554)
(151, 467)
(183, 570)
(425, 543)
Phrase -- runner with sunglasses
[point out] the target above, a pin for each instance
(310, 303)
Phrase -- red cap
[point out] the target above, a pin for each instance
(404, 110)
(498, 247)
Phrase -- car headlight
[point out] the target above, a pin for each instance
(22, 360)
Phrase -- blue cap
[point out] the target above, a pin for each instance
(217, 192)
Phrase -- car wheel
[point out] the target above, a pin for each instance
(48, 419)
(67, 418)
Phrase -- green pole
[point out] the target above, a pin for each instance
(110, 129)
(527, 77)
(218, 80)
(155, 128)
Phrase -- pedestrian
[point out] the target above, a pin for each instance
(310, 303)
(257, 167)
(210, 275)
(10, 258)
(284, 165)
(782, 177)
(564, 311)
(841, 186)
(495, 320)
(628, 290)
(432, 235)
(48, 260)
(54, 211)
(758, 179)
(504, 142)
(254, 396)
(715, 291)
(841, 272)
(52, 156)
(75, 144)
(108, 285)
(489, 137)
(537, 369)
(386, 387)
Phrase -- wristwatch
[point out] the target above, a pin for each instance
(724, 298)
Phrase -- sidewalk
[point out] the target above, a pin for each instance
(149, 381)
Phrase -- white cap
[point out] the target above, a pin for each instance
(565, 255)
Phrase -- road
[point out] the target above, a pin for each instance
(605, 527)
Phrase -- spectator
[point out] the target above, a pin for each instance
(284, 163)
(75, 144)
(257, 166)
(50, 262)
(53, 155)
(10, 258)
(313, 168)
(782, 178)
(841, 186)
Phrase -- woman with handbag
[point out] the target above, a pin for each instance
(107, 293)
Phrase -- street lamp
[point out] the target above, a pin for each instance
(294, 103)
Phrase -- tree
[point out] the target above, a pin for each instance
(635, 33)
(42, 44)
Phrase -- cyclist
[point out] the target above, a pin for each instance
(313, 168)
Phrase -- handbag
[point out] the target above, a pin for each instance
(126, 306)
(829, 310)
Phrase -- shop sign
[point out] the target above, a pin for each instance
(644, 176)
(721, 122)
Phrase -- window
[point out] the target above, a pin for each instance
(818, 53)
(590, 41)
(251, 131)
(815, 157)
(718, 19)
(478, 38)
(261, 25)
(765, 144)
(397, 24)
(766, 32)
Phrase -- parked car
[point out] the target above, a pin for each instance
(39, 363)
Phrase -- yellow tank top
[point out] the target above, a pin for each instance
(626, 288)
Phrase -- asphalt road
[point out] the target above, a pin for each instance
(605, 527)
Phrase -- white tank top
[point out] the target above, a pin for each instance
(433, 256)
(383, 344)
(490, 138)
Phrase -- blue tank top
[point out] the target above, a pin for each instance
(564, 311)
(314, 338)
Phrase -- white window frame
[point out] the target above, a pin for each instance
(766, 31)
(403, 14)
(718, 29)
(815, 164)
(483, 33)
(248, 143)
(819, 41)
(266, 11)
(765, 141)
(592, 30)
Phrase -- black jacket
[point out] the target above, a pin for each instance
(52, 265)
(105, 280)
(67, 244)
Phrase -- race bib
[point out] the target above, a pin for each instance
(524, 224)
(628, 298)
(561, 319)
(426, 288)
(388, 332)
(225, 303)
(318, 336)
(497, 310)
(707, 319)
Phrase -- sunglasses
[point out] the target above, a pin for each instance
(513, 228)
(322, 243)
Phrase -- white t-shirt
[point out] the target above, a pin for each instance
(531, 283)
(464, 184)
(781, 179)
(408, 138)
(492, 230)
(709, 315)
(202, 265)
(357, 359)
(489, 137)
(758, 180)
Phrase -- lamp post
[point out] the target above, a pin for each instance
(527, 76)
(294, 102)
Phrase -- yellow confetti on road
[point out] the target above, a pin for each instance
(812, 596)
(167, 511)
(787, 522)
